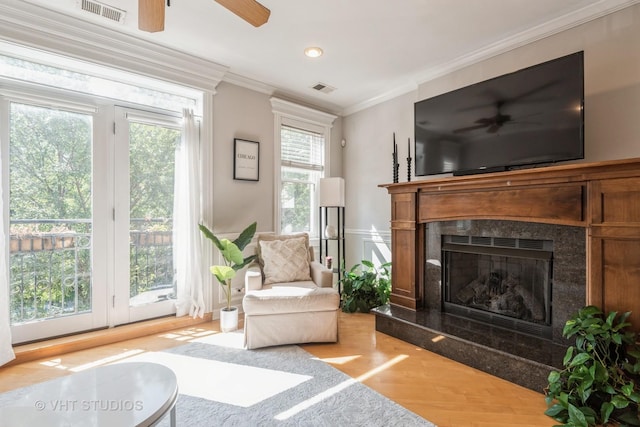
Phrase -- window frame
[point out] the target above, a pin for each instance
(307, 119)
(102, 110)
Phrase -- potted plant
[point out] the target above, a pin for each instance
(233, 261)
(365, 287)
(601, 375)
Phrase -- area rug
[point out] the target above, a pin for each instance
(221, 384)
(277, 386)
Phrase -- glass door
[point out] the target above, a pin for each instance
(55, 286)
(144, 185)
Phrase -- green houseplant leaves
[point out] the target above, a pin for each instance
(232, 254)
(365, 287)
(599, 382)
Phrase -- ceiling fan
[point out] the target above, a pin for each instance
(151, 13)
(493, 124)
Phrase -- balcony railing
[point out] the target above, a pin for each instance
(50, 265)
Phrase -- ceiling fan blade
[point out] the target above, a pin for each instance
(469, 128)
(249, 10)
(151, 15)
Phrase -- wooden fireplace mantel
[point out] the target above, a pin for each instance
(602, 197)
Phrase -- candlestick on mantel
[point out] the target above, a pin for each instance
(409, 160)
(396, 165)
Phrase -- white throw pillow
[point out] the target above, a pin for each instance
(285, 260)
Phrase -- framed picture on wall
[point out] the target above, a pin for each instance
(246, 160)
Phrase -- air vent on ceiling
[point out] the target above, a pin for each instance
(104, 10)
(324, 88)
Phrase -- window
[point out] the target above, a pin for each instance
(302, 160)
(90, 171)
(302, 148)
(85, 78)
(50, 200)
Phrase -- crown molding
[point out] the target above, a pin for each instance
(554, 26)
(291, 109)
(40, 28)
(550, 28)
(387, 96)
(246, 82)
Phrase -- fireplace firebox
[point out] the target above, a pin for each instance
(503, 281)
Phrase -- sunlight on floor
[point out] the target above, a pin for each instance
(57, 363)
(340, 360)
(229, 383)
(338, 388)
(314, 400)
(106, 360)
(54, 363)
(188, 334)
(229, 339)
(438, 338)
(223, 382)
(382, 367)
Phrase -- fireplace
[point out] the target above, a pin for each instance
(558, 258)
(503, 281)
(548, 263)
(588, 210)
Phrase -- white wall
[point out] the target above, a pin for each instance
(246, 114)
(612, 113)
(367, 163)
(243, 113)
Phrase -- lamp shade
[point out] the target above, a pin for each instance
(331, 192)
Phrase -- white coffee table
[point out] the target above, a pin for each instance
(123, 394)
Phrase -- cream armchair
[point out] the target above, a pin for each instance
(289, 297)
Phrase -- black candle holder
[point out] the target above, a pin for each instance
(396, 168)
(396, 165)
(409, 160)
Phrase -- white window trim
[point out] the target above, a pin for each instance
(33, 94)
(50, 98)
(41, 28)
(294, 115)
(34, 26)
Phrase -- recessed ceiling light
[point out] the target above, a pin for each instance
(313, 52)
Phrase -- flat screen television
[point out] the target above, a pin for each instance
(529, 117)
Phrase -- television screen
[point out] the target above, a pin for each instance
(532, 116)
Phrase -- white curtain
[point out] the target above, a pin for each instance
(187, 249)
(6, 351)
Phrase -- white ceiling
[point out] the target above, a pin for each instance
(374, 49)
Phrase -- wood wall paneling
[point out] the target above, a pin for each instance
(615, 246)
(403, 272)
(403, 208)
(621, 277)
(404, 240)
(620, 201)
(555, 203)
(603, 197)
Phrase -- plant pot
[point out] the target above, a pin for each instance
(229, 319)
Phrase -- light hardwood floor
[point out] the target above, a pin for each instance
(443, 391)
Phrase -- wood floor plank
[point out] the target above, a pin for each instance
(443, 391)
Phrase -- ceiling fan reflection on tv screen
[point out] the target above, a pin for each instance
(528, 117)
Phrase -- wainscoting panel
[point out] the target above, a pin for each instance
(372, 245)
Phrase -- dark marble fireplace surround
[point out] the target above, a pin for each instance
(512, 355)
